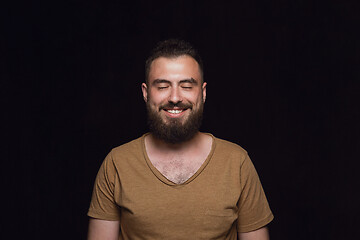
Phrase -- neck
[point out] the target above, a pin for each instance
(177, 147)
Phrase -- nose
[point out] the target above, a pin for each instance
(175, 96)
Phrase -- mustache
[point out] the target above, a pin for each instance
(172, 105)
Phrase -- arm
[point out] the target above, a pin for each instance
(260, 234)
(103, 229)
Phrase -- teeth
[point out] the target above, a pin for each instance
(174, 111)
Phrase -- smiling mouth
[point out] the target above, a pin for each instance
(174, 111)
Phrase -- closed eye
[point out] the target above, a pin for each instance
(160, 88)
(161, 84)
(187, 85)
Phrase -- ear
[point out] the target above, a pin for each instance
(144, 91)
(204, 91)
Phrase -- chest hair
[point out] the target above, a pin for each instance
(178, 169)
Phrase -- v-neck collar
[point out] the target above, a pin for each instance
(162, 178)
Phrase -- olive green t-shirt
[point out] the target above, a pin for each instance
(222, 198)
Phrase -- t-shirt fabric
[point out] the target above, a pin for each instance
(222, 198)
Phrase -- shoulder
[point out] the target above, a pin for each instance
(129, 153)
(131, 147)
(230, 149)
(229, 146)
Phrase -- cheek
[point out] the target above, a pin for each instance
(155, 103)
(158, 97)
(154, 100)
(197, 99)
(192, 96)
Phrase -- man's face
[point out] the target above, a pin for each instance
(174, 96)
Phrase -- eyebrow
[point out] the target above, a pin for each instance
(158, 81)
(188, 80)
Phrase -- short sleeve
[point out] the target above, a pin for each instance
(254, 210)
(103, 205)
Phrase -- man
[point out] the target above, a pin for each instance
(176, 182)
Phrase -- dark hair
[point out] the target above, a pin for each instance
(172, 48)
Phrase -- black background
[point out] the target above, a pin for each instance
(283, 82)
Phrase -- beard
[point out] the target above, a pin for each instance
(175, 130)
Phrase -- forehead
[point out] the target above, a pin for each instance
(177, 68)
